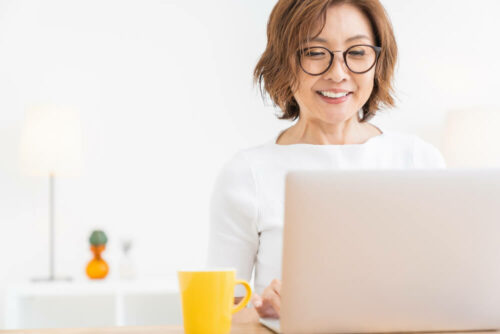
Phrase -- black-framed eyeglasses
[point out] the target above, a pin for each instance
(359, 59)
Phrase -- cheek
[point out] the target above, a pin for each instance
(365, 85)
(304, 89)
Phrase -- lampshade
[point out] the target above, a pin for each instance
(51, 141)
(472, 138)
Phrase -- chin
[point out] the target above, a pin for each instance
(334, 119)
(336, 115)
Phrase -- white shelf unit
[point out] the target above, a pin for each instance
(93, 304)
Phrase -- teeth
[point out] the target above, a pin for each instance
(333, 95)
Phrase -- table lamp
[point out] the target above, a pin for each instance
(471, 138)
(51, 145)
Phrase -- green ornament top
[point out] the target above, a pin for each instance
(98, 237)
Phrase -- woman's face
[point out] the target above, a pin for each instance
(345, 25)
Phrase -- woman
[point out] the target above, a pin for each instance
(329, 65)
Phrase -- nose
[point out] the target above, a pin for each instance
(338, 71)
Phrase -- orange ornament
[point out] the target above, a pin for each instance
(97, 267)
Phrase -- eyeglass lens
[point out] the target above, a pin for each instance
(317, 60)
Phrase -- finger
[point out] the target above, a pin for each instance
(263, 307)
(276, 303)
(274, 299)
(257, 301)
(267, 311)
(255, 296)
(276, 285)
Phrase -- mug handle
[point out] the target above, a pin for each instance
(246, 299)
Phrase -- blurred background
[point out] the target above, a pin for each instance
(164, 97)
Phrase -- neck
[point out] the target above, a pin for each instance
(311, 131)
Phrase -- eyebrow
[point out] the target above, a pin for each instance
(322, 40)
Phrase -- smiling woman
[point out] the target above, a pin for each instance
(329, 65)
(278, 73)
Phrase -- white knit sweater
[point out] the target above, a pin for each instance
(247, 203)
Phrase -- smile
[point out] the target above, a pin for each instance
(333, 95)
(334, 98)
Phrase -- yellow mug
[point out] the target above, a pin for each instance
(208, 300)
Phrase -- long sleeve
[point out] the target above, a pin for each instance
(233, 234)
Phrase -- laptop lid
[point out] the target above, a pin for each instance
(391, 250)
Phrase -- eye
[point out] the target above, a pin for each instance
(357, 53)
(314, 53)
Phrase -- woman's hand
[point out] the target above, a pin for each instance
(268, 305)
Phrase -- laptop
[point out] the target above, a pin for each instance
(390, 251)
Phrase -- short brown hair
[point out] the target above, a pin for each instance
(289, 27)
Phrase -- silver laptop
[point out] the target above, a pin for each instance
(391, 251)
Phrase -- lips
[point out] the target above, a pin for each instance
(334, 98)
(335, 90)
(332, 94)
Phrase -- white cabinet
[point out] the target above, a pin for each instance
(93, 304)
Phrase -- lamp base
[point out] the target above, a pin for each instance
(52, 279)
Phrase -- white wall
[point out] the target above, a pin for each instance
(166, 97)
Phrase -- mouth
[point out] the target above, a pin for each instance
(332, 97)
